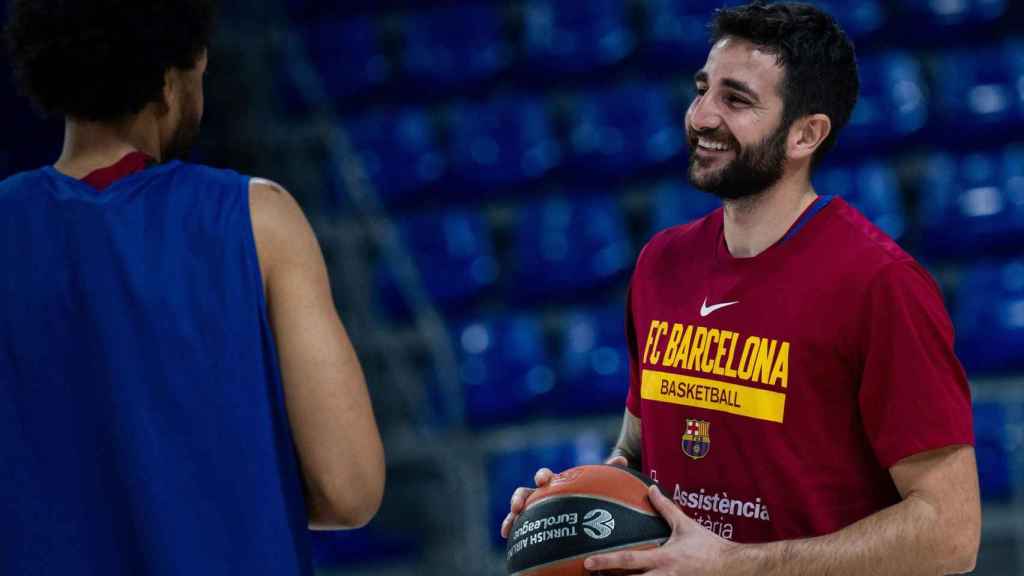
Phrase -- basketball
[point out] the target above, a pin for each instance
(584, 511)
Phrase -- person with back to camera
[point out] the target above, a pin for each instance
(793, 386)
(177, 393)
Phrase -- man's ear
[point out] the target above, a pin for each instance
(806, 135)
(169, 95)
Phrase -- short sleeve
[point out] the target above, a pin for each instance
(914, 395)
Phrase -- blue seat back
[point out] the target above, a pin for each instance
(893, 103)
(399, 152)
(594, 363)
(623, 129)
(504, 368)
(989, 317)
(454, 45)
(576, 37)
(353, 41)
(873, 188)
(676, 202)
(503, 142)
(566, 245)
(980, 196)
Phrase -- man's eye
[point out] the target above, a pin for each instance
(735, 100)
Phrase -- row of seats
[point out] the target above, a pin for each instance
(461, 45)
(578, 241)
(474, 149)
(557, 38)
(998, 453)
(511, 373)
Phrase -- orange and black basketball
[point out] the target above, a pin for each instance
(584, 511)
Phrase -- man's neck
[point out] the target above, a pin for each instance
(754, 224)
(90, 146)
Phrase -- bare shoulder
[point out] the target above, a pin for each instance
(282, 232)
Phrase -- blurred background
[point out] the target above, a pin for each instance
(482, 175)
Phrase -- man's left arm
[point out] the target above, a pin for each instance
(935, 529)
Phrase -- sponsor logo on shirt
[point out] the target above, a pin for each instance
(696, 438)
(714, 353)
(713, 511)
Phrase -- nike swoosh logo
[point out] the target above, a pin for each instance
(705, 309)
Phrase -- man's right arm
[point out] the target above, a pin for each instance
(628, 445)
(332, 422)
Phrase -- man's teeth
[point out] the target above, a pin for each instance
(711, 145)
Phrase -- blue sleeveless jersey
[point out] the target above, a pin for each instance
(142, 420)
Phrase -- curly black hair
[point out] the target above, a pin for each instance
(817, 58)
(102, 60)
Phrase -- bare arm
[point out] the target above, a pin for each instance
(332, 421)
(628, 445)
(934, 530)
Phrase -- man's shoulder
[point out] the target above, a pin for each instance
(860, 245)
(20, 181)
(678, 240)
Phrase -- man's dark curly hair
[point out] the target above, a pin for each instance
(102, 60)
(817, 58)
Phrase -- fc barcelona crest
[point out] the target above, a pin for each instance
(697, 438)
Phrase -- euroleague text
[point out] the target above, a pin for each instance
(541, 530)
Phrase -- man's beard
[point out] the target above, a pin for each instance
(751, 172)
(184, 136)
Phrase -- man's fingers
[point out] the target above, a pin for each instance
(543, 477)
(675, 517)
(519, 499)
(506, 525)
(625, 560)
(617, 461)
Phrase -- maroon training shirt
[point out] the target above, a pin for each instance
(776, 391)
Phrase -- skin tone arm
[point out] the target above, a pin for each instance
(625, 453)
(934, 530)
(332, 421)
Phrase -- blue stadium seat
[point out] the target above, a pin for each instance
(892, 106)
(504, 369)
(454, 45)
(366, 547)
(992, 448)
(575, 37)
(348, 56)
(503, 142)
(989, 317)
(980, 196)
(453, 253)
(619, 131)
(858, 19)
(932, 16)
(675, 202)
(508, 470)
(980, 92)
(594, 362)
(676, 33)
(871, 187)
(563, 247)
(399, 152)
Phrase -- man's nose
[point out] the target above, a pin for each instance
(703, 116)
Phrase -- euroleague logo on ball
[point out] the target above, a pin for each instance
(598, 524)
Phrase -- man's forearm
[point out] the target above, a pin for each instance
(908, 538)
